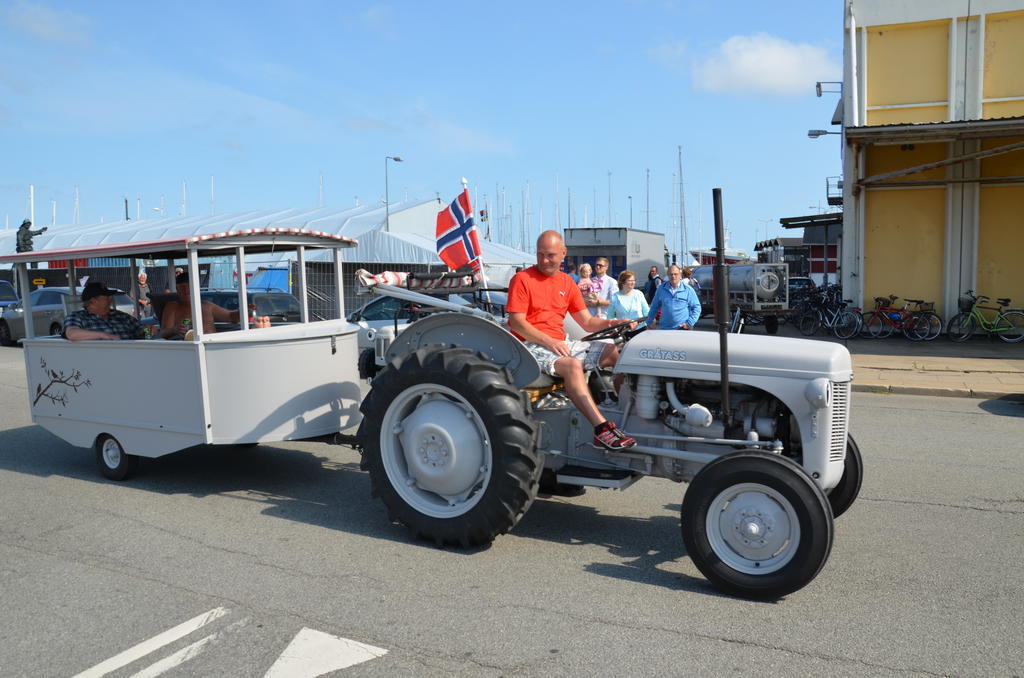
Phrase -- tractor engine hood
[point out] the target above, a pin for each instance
(681, 354)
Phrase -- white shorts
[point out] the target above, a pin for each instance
(587, 352)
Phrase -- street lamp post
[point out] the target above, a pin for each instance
(387, 202)
(630, 210)
(815, 133)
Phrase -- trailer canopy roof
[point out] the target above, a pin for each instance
(255, 240)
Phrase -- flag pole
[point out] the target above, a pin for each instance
(480, 257)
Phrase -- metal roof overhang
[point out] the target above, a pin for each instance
(938, 132)
(829, 219)
(256, 241)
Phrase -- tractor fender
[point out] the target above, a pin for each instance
(483, 336)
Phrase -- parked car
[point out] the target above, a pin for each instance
(50, 305)
(8, 295)
(380, 312)
(800, 284)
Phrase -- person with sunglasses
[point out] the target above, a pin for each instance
(603, 287)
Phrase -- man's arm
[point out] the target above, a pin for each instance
(655, 307)
(518, 323)
(78, 334)
(222, 314)
(591, 323)
(694, 305)
(608, 291)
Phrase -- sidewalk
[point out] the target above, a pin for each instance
(983, 367)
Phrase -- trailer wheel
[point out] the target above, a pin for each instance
(5, 335)
(114, 462)
(771, 324)
(842, 496)
(450, 446)
(756, 525)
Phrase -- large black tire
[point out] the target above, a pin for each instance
(5, 335)
(114, 462)
(367, 364)
(842, 496)
(756, 525)
(450, 446)
(771, 324)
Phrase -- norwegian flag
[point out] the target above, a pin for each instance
(458, 239)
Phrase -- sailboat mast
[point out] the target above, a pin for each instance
(682, 210)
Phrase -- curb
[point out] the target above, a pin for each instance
(946, 392)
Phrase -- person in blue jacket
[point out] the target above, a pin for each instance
(677, 301)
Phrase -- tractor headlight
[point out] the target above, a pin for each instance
(819, 393)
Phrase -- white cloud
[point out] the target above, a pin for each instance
(762, 63)
(47, 24)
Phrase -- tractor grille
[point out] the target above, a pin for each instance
(840, 420)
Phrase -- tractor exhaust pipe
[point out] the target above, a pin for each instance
(721, 301)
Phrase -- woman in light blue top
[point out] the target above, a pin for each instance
(628, 303)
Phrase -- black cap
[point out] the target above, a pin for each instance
(98, 289)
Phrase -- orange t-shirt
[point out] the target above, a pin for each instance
(544, 299)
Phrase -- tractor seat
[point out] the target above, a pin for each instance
(544, 381)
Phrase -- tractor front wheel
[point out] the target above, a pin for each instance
(756, 525)
(842, 496)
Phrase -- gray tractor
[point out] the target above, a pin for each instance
(460, 427)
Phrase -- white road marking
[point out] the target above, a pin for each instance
(314, 653)
(153, 644)
(173, 660)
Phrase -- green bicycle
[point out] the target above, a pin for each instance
(1008, 325)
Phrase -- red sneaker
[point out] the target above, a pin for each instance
(610, 437)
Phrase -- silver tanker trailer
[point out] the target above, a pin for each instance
(754, 290)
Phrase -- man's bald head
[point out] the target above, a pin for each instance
(552, 238)
(550, 252)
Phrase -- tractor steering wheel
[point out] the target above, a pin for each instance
(618, 331)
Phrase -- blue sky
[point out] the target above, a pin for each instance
(130, 98)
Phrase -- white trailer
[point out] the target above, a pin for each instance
(625, 248)
(147, 398)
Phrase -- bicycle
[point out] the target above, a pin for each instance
(832, 314)
(1008, 324)
(921, 323)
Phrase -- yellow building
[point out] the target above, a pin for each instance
(933, 112)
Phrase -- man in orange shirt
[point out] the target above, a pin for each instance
(538, 299)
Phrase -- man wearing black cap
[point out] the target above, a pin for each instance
(97, 319)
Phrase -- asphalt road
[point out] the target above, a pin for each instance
(925, 577)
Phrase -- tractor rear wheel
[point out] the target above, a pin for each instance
(756, 525)
(450, 446)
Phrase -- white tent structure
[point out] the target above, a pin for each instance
(406, 236)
